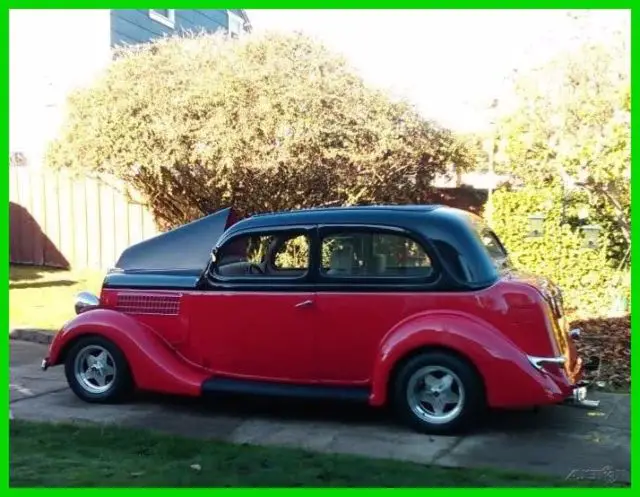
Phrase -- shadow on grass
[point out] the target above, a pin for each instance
(25, 272)
(40, 284)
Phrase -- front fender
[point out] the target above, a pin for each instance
(155, 366)
(509, 378)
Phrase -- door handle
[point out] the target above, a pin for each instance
(305, 303)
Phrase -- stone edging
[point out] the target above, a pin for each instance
(33, 335)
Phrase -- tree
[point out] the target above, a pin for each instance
(571, 124)
(264, 123)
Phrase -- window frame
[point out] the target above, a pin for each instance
(237, 21)
(263, 279)
(168, 20)
(379, 281)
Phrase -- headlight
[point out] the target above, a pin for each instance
(86, 301)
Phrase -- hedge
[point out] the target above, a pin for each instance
(588, 277)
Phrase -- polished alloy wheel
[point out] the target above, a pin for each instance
(95, 369)
(435, 394)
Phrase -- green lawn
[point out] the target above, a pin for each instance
(43, 297)
(54, 455)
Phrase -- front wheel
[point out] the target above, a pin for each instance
(438, 393)
(97, 371)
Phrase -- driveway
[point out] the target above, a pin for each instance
(561, 441)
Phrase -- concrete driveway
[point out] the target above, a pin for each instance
(561, 441)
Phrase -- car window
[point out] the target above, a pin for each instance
(492, 244)
(293, 253)
(259, 255)
(373, 254)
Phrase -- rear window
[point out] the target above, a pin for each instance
(490, 241)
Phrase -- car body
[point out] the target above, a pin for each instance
(415, 306)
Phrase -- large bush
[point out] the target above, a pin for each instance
(572, 123)
(264, 123)
(589, 279)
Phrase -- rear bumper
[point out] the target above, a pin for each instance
(579, 398)
(568, 386)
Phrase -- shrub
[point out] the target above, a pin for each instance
(265, 123)
(587, 277)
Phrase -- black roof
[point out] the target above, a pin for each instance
(406, 216)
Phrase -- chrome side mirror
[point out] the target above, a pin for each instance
(86, 301)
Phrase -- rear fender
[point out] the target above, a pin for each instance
(508, 377)
(154, 364)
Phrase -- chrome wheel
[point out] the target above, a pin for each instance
(95, 369)
(435, 394)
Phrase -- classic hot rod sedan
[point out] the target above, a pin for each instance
(413, 306)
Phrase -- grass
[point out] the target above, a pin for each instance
(43, 297)
(56, 455)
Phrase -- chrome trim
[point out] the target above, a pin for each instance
(538, 362)
(575, 333)
(578, 398)
(86, 301)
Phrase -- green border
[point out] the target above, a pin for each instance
(332, 4)
(308, 4)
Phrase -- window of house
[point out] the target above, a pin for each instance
(370, 254)
(236, 24)
(274, 255)
(164, 16)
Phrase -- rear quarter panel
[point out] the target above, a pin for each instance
(495, 329)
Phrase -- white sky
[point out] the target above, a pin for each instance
(449, 63)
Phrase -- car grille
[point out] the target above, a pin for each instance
(148, 303)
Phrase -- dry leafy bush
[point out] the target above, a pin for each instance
(609, 339)
(265, 123)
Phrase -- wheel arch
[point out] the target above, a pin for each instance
(153, 363)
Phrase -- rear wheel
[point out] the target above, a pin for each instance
(97, 371)
(438, 393)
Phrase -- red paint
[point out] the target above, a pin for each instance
(155, 366)
(175, 340)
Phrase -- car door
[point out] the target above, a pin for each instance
(370, 279)
(255, 320)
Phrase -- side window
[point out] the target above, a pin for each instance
(373, 254)
(264, 254)
(292, 254)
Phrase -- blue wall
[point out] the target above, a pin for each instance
(135, 26)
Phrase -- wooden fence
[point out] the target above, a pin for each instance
(60, 221)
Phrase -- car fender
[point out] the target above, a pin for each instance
(155, 366)
(508, 376)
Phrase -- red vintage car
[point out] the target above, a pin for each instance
(413, 306)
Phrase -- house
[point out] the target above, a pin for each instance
(55, 51)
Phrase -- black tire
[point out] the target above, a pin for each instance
(472, 404)
(121, 382)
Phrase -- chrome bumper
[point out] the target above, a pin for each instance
(579, 398)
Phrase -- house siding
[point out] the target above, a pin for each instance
(135, 26)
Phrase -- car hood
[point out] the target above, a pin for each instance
(186, 248)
